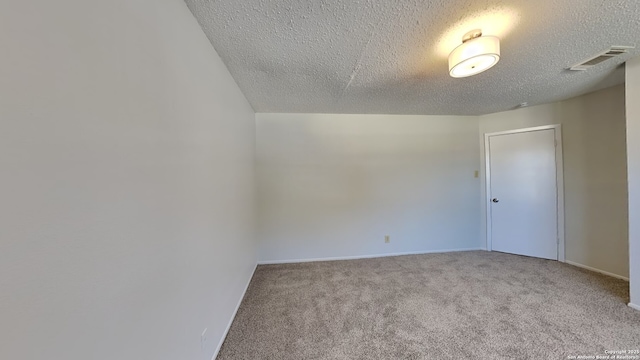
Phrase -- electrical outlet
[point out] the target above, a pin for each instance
(476, 174)
(387, 239)
(203, 340)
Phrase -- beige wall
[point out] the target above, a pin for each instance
(127, 167)
(593, 129)
(311, 167)
(633, 149)
(334, 185)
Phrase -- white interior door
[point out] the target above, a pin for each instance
(523, 193)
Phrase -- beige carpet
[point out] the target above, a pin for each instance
(469, 305)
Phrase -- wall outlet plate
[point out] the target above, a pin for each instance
(387, 239)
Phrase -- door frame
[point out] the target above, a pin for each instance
(559, 182)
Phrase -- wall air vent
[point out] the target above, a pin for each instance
(603, 56)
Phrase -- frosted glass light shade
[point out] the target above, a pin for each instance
(474, 56)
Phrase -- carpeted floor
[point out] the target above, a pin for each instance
(466, 305)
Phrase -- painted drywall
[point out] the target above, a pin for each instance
(127, 157)
(595, 174)
(332, 186)
(633, 163)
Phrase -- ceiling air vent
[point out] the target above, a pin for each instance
(603, 56)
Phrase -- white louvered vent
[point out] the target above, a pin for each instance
(603, 56)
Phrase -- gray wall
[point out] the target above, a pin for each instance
(127, 157)
(335, 185)
(595, 174)
(633, 149)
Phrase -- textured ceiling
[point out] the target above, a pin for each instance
(390, 56)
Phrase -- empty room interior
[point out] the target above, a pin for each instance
(319, 179)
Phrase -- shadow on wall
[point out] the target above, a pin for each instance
(596, 193)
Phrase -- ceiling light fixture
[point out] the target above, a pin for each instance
(476, 54)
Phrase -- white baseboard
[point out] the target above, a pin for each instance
(634, 306)
(233, 316)
(597, 270)
(355, 257)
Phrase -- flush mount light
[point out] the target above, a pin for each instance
(476, 54)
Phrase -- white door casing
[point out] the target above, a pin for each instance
(525, 192)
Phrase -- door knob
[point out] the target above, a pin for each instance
(495, 200)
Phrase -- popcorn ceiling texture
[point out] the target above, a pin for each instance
(380, 56)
